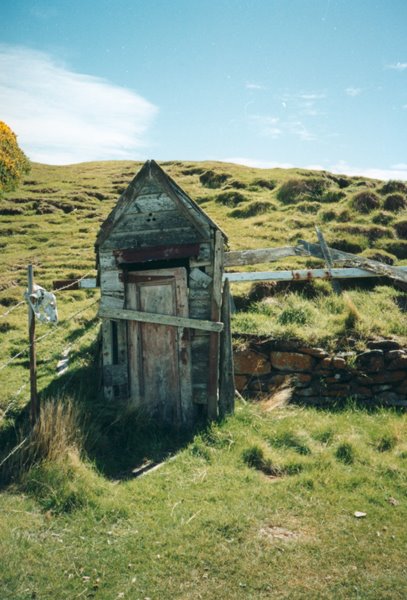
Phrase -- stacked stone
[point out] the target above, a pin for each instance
(378, 374)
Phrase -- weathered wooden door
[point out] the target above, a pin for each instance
(159, 355)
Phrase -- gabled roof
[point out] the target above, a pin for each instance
(152, 171)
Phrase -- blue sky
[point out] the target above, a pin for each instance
(308, 83)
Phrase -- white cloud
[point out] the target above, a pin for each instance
(398, 171)
(394, 172)
(63, 117)
(353, 91)
(399, 66)
(254, 86)
(258, 163)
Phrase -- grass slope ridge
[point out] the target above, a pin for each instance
(258, 506)
(51, 221)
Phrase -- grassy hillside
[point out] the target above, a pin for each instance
(262, 505)
(53, 218)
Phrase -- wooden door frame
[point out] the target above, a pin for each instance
(183, 347)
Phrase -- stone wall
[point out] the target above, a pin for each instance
(378, 374)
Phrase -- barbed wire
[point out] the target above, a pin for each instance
(73, 283)
(65, 287)
(49, 333)
(12, 308)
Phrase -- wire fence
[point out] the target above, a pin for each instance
(39, 339)
(65, 287)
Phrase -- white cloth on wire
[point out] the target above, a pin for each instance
(43, 303)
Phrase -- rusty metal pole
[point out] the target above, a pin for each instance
(34, 407)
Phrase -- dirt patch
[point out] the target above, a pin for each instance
(278, 534)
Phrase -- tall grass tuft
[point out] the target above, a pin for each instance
(51, 465)
(57, 433)
(353, 316)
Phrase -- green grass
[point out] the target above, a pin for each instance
(259, 506)
(53, 218)
(215, 522)
(325, 318)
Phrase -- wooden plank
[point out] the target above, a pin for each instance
(184, 349)
(374, 266)
(199, 280)
(162, 252)
(113, 301)
(107, 354)
(213, 374)
(227, 376)
(262, 255)
(107, 312)
(143, 222)
(204, 257)
(74, 284)
(153, 202)
(328, 259)
(110, 281)
(107, 260)
(181, 235)
(305, 274)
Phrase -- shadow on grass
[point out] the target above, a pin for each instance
(116, 438)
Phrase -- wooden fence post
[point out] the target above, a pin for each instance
(227, 377)
(34, 407)
(213, 381)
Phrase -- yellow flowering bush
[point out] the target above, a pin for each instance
(13, 162)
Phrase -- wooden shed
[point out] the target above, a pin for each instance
(160, 267)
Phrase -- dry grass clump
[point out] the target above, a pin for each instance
(213, 180)
(298, 190)
(55, 436)
(230, 198)
(395, 202)
(267, 184)
(401, 228)
(396, 247)
(365, 202)
(392, 186)
(257, 207)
